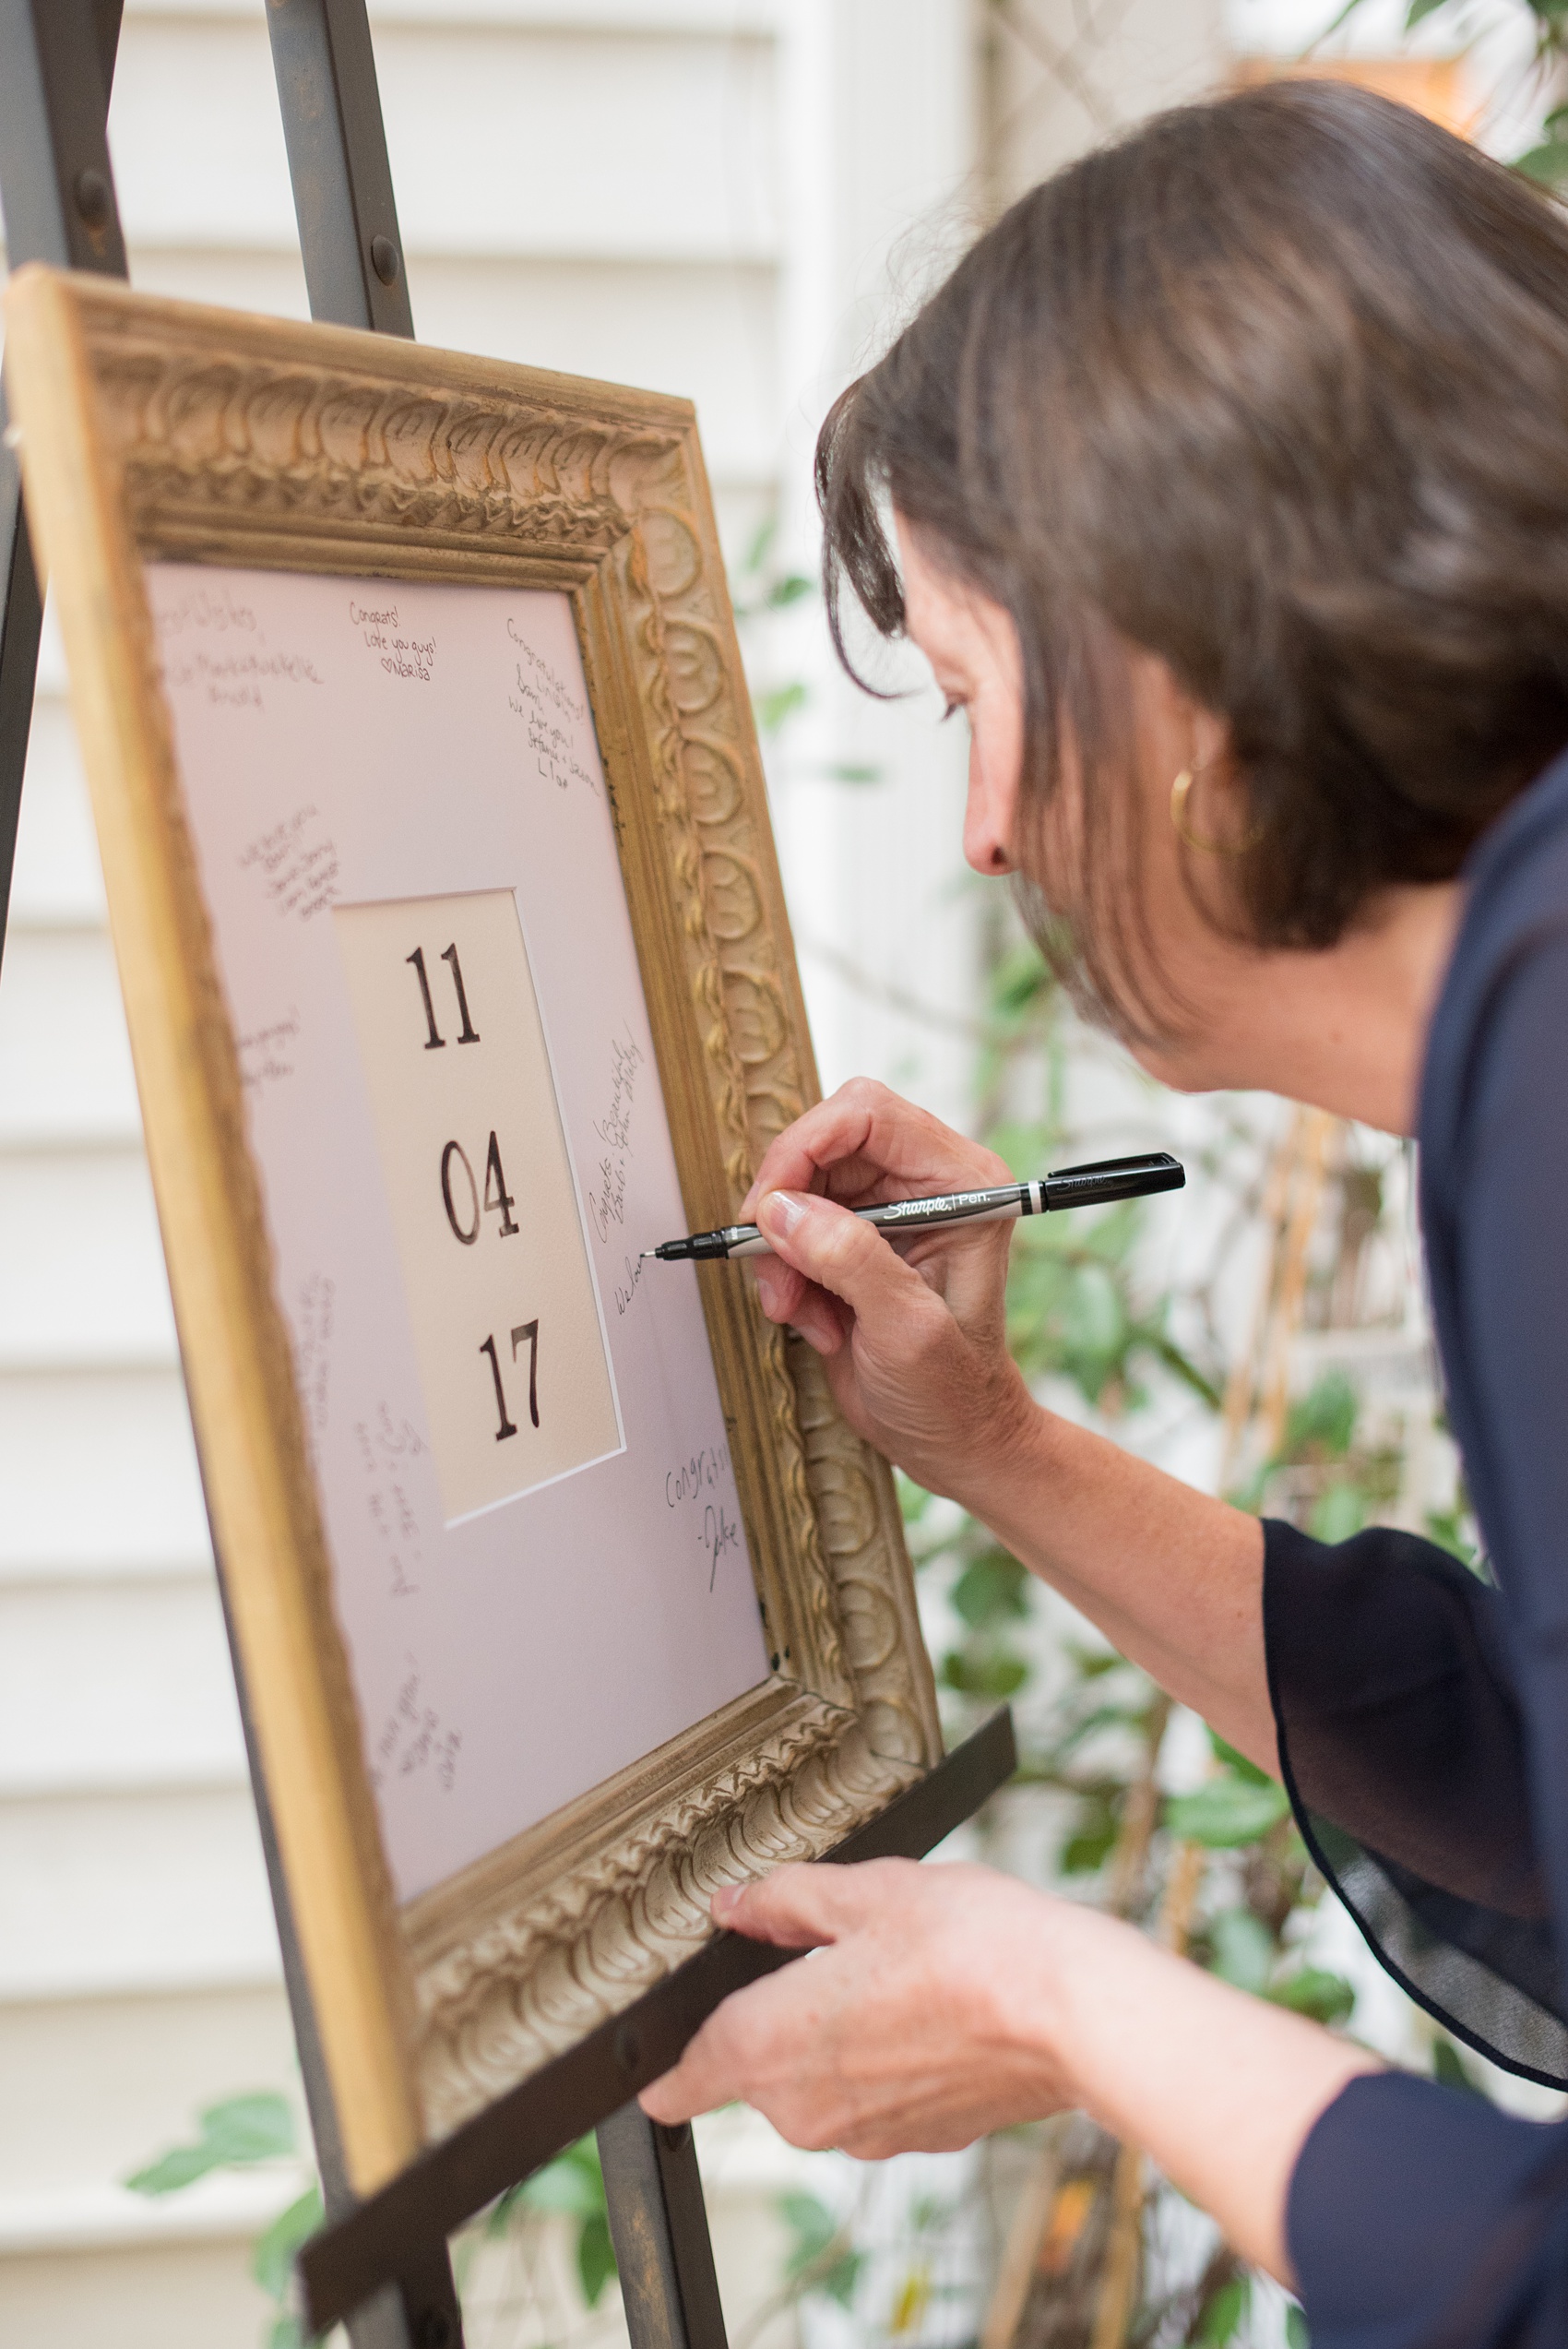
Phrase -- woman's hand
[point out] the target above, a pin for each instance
(915, 1344)
(919, 2023)
(914, 1337)
(944, 2002)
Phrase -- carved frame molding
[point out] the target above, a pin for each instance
(156, 429)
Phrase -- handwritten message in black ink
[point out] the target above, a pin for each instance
(699, 1487)
(400, 653)
(214, 644)
(607, 1203)
(314, 1313)
(386, 1448)
(552, 713)
(267, 1054)
(297, 865)
(627, 1289)
(414, 1738)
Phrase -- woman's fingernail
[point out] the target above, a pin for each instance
(781, 1212)
(726, 1901)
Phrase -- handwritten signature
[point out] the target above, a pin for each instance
(316, 1299)
(719, 1533)
(414, 1736)
(539, 677)
(685, 1485)
(261, 1052)
(607, 1204)
(384, 1447)
(400, 656)
(634, 1281)
(702, 1472)
(299, 869)
(554, 757)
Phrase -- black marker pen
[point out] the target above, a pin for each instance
(1107, 1178)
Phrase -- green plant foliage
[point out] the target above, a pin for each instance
(1244, 1950)
(989, 1672)
(1089, 1845)
(1296, 2333)
(233, 2134)
(992, 1588)
(820, 2258)
(775, 705)
(1325, 1997)
(272, 2260)
(236, 2134)
(1448, 2066)
(573, 2186)
(1321, 1425)
(1229, 1811)
(1339, 1512)
(1225, 2314)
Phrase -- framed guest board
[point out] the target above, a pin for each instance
(457, 973)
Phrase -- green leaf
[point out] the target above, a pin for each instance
(1223, 2316)
(1226, 1812)
(242, 2129)
(1323, 1423)
(992, 1672)
(1326, 1997)
(1244, 1950)
(813, 2227)
(1089, 1665)
(1237, 1762)
(774, 707)
(1089, 1845)
(1296, 2333)
(1448, 2066)
(757, 551)
(1420, 8)
(991, 1588)
(572, 2183)
(788, 591)
(1547, 163)
(596, 2257)
(287, 2333)
(1338, 1514)
(846, 772)
(272, 2259)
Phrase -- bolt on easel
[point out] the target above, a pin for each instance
(382, 2265)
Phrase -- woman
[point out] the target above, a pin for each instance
(1225, 485)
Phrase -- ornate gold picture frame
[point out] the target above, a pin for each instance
(154, 433)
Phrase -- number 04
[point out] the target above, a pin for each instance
(528, 1329)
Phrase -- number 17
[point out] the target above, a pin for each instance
(528, 1329)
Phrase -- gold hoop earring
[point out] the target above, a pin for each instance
(1178, 791)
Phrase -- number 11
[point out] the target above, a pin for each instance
(435, 1041)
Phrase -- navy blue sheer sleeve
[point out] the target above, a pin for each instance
(1423, 1718)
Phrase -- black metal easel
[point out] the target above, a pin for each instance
(382, 2265)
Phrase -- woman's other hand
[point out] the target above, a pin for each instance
(943, 2002)
(918, 2024)
(914, 1337)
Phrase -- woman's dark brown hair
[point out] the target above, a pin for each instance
(1277, 389)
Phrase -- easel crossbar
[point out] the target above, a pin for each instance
(343, 2265)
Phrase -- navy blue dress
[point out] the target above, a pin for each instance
(1423, 1715)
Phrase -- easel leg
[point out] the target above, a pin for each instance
(57, 191)
(20, 620)
(421, 2310)
(659, 2226)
